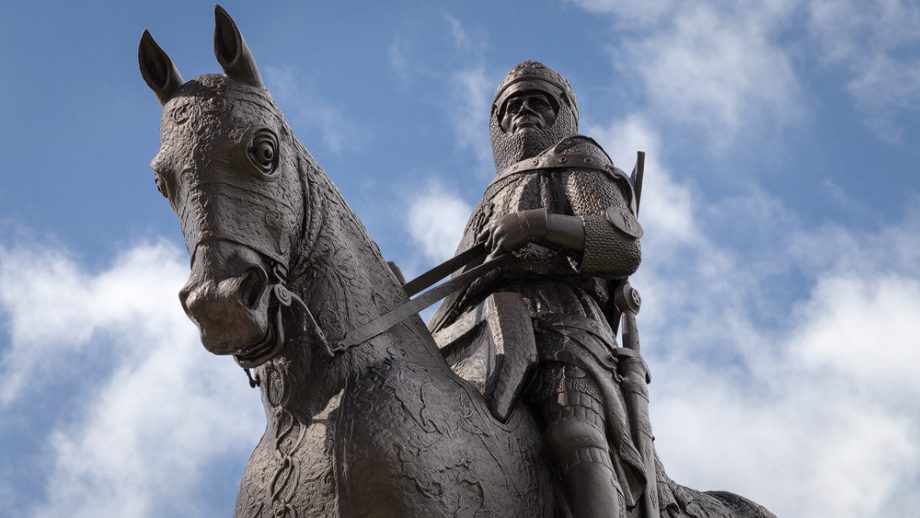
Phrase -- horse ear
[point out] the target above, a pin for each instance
(232, 52)
(158, 70)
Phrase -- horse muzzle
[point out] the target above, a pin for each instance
(228, 297)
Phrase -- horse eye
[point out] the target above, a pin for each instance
(161, 185)
(263, 151)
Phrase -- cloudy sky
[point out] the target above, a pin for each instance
(781, 270)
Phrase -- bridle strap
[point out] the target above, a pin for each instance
(267, 349)
(273, 344)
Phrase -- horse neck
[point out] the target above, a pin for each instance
(345, 282)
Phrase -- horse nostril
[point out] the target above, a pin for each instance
(183, 298)
(251, 288)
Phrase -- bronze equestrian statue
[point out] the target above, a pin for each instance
(363, 419)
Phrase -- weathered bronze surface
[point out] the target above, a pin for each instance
(364, 415)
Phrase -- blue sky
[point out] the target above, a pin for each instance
(781, 270)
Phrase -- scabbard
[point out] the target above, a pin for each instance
(635, 392)
(635, 388)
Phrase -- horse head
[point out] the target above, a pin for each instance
(231, 170)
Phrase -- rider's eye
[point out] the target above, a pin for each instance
(539, 104)
(514, 107)
(263, 151)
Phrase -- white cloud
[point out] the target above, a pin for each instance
(630, 12)
(824, 419)
(728, 68)
(436, 219)
(876, 44)
(461, 38)
(160, 411)
(301, 104)
(471, 94)
(399, 62)
(865, 328)
(804, 399)
(885, 88)
(720, 70)
(666, 207)
(838, 249)
(457, 70)
(58, 307)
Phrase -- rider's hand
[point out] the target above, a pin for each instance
(514, 230)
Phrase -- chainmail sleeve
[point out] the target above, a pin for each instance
(606, 253)
(612, 233)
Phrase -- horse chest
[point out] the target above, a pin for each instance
(413, 442)
(291, 471)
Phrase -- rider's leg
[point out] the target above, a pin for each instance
(575, 436)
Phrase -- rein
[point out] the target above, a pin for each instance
(274, 342)
(412, 306)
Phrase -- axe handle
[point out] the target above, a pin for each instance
(638, 173)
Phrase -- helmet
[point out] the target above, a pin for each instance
(531, 76)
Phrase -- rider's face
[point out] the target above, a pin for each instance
(527, 111)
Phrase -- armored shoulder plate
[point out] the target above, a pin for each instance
(577, 151)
